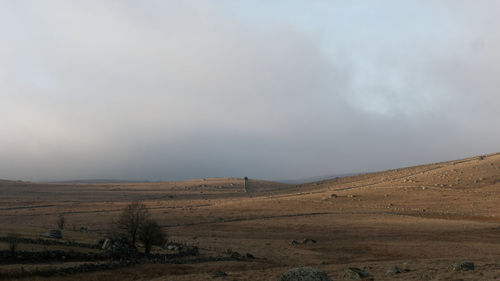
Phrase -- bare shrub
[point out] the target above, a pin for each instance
(131, 219)
(60, 222)
(135, 224)
(151, 233)
(12, 241)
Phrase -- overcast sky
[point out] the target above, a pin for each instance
(171, 90)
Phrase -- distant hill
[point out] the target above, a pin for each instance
(318, 178)
(94, 181)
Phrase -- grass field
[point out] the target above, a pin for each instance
(422, 218)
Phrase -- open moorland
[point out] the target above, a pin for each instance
(421, 219)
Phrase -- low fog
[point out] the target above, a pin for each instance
(172, 90)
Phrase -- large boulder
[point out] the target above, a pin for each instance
(305, 274)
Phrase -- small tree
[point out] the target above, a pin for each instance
(61, 222)
(130, 221)
(150, 233)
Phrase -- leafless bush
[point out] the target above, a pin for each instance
(13, 240)
(134, 224)
(150, 233)
(61, 221)
(129, 222)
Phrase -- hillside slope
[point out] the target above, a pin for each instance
(475, 172)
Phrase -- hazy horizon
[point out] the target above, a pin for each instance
(173, 90)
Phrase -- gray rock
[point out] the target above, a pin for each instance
(173, 247)
(352, 273)
(294, 242)
(396, 270)
(106, 244)
(305, 274)
(308, 241)
(53, 234)
(465, 265)
(218, 273)
(236, 256)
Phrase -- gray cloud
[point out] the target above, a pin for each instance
(173, 90)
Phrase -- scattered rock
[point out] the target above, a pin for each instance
(352, 273)
(120, 248)
(53, 234)
(106, 244)
(218, 273)
(305, 274)
(236, 256)
(465, 265)
(294, 243)
(333, 195)
(308, 241)
(396, 270)
(172, 248)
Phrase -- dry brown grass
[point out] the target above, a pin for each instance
(423, 218)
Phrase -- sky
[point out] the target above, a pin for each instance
(173, 90)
